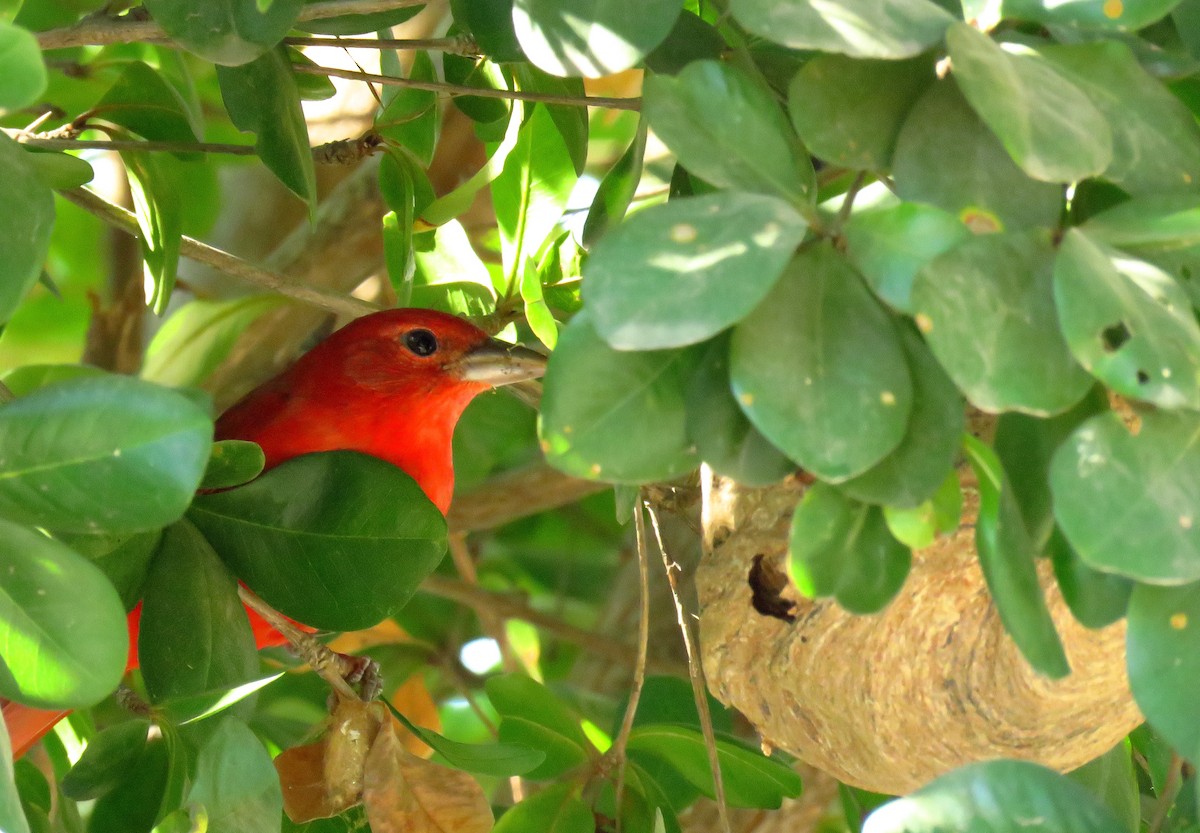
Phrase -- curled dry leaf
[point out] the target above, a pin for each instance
(405, 794)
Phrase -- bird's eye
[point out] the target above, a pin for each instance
(421, 342)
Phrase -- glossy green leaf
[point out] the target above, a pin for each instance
(1048, 125)
(819, 368)
(1113, 778)
(1128, 323)
(516, 695)
(1156, 141)
(233, 462)
(142, 101)
(26, 218)
(1095, 599)
(561, 754)
(262, 98)
(921, 525)
(410, 117)
(849, 111)
(531, 191)
(889, 245)
(751, 147)
(235, 780)
(1007, 557)
(925, 456)
(490, 23)
(591, 37)
(61, 171)
(725, 439)
(1163, 660)
(500, 759)
(859, 28)
(616, 416)
(681, 272)
(1126, 15)
(194, 634)
(1128, 503)
(616, 190)
(227, 32)
(359, 24)
(198, 336)
(571, 121)
(191, 708)
(106, 761)
(947, 157)
(451, 205)
(750, 779)
(101, 454)
(556, 809)
(1162, 222)
(1026, 445)
(336, 540)
(22, 70)
(986, 308)
(155, 187)
(691, 39)
(12, 818)
(124, 558)
(63, 641)
(134, 804)
(842, 548)
(996, 797)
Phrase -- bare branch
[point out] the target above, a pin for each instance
(452, 46)
(518, 494)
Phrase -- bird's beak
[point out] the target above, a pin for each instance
(498, 363)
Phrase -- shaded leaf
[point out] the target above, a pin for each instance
(26, 218)
(233, 462)
(235, 781)
(410, 117)
(60, 171)
(23, 75)
(154, 186)
(106, 761)
(560, 753)
(227, 32)
(616, 190)
(1126, 15)
(1164, 660)
(555, 809)
(12, 819)
(198, 336)
(1095, 599)
(143, 102)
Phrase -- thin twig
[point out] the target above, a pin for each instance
(492, 622)
(628, 103)
(506, 605)
(695, 673)
(617, 750)
(1166, 796)
(101, 30)
(848, 201)
(451, 46)
(322, 660)
(53, 143)
(199, 251)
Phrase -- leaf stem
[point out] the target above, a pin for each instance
(201, 252)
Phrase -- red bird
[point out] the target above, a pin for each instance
(391, 384)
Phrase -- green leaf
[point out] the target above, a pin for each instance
(143, 102)
(1156, 223)
(1127, 15)
(842, 548)
(262, 98)
(516, 695)
(819, 368)
(1096, 599)
(591, 37)
(571, 121)
(192, 708)
(359, 24)
(986, 308)
(1113, 778)
(1127, 503)
(490, 23)
(198, 336)
(888, 246)
(108, 453)
(679, 273)
(63, 642)
(12, 818)
(194, 635)
(1048, 125)
(449, 206)
(233, 462)
(555, 809)
(531, 191)
(1128, 323)
(996, 797)
(615, 416)
(337, 540)
(135, 803)
(226, 32)
(858, 28)
(1156, 142)
(560, 754)
(106, 761)
(500, 759)
(235, 780)
(920, 526)
(1007, 557)
(154, 184)
(410, 117)
(751, 147)
(725, 439)
(1163, 660)
(22, 70)
(849, 111)
(26, 218)
(947, 157)
(925, 456)
(616, 190)
(61, 171)
(750, 779)
(123, 558)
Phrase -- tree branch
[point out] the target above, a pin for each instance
(340, 152)
(517, 494)
(119, 217)
(452, 46)
(102, 30)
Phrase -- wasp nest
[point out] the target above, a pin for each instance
(888, 702)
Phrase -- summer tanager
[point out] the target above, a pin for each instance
(391, 384)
